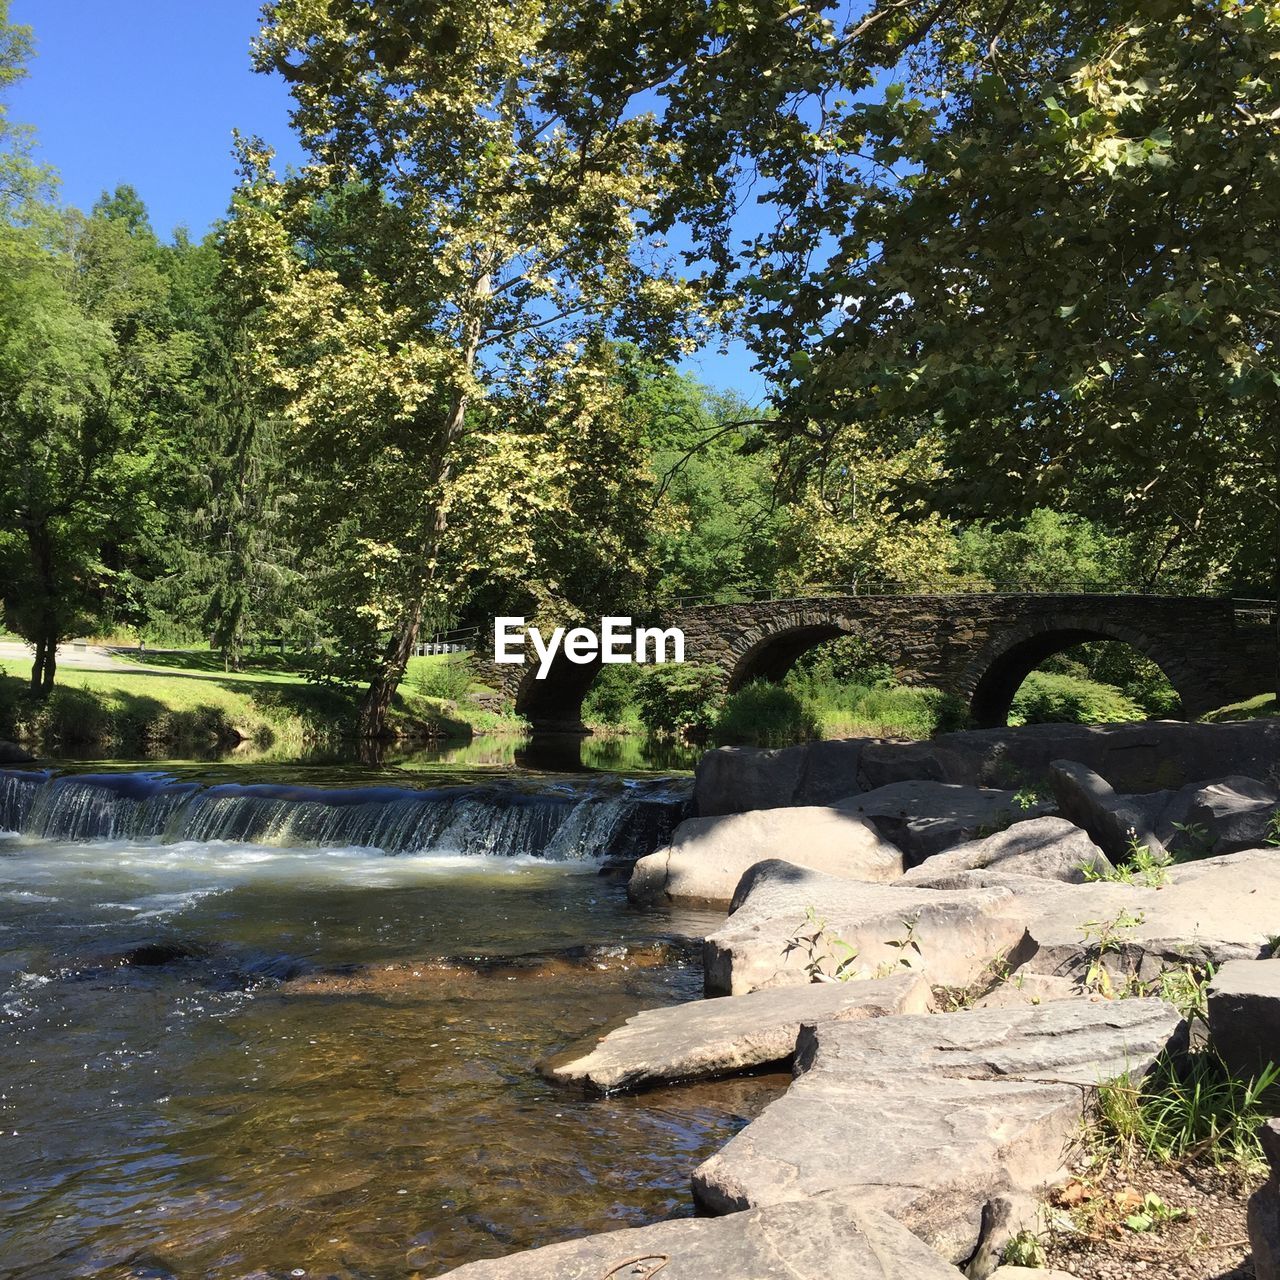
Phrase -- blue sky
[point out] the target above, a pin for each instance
(147, 92)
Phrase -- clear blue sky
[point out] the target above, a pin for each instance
(147, 92)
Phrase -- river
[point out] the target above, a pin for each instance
(282, 1020)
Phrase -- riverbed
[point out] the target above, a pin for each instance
(239, 1048)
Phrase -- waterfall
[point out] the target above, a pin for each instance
(562, 821)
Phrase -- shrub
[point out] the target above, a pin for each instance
(764, 715)
(612, 699)
(678, 698)
(448, 678)
(1048, 698)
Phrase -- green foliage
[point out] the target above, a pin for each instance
(612, 699)
(679, 698)
(1143, 867)
(1047, 698)
(1024, 1249)
(1188, 1107)
(763, 714)
(448, 678)
(1101, 939)
(1047, 548)
(827, 957)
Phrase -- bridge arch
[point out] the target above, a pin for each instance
(769, 651)
(997, 671)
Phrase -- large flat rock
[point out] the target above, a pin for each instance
(1212, 911)
(934, 1118)
(735, 779)
(1117, 824)
(1048, 848)
(818, 1240)
(708, 856)
(717, 1037)
(772, 936)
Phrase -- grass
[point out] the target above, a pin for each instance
(1250, 709)
(268, 703)
(1189, 1107)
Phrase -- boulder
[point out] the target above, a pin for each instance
(706, 1038)
(735, 779)
(1244, 1015)
(708, 856)
(923, 818)
(11, 753)
(1049, 848)
(1116, 823)
(931, 1118)
(787, 923)
(1205, 912)
(1140, 757)
(1235, 813)
(813, 1240)
(1264, 1209)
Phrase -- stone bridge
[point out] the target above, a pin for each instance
(977, 647)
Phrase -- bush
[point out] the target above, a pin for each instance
(678, 698)
(1048, 698)
(448, 678)
(877, 710)
(613, 699)
(764, 715)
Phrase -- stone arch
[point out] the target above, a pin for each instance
(768, 650)
(555, 704)
(997, 671)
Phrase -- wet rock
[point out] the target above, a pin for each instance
(924, 818)
(708, 856)
(932, 1118)
(151, 955)
(1264, 1209)
(1048, 848)
(708, 1038)
(1116, 823)
(813, 1240)
(1244, 1015)
(787, 922)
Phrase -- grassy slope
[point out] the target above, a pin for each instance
(270, 704)
(1251, 709)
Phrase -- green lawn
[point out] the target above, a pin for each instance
(1251, 709)
(189, 700)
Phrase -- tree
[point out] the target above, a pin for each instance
(471, 206)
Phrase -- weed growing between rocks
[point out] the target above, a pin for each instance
(1189, 1108)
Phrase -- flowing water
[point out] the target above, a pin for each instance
(290, 1030)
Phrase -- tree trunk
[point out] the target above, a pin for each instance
(37, 669)
(376, 702)
(1275, 558)
(50, 665)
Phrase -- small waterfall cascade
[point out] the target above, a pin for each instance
(562, 821)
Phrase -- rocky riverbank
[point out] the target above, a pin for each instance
(966, 950)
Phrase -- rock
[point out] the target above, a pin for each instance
(1244, 1015)
(734, 779)
(923, 818)
(1264, 1209)
(708, 856)
(11, 753)
(1050, 848)
(1140, 757)
(1211, 911)
(1116, 823)
(1236, 813)
(1031, 988)
(930, 1118)
(706, 1038)
(772, 939)
(813, 1240)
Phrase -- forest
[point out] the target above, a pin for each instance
(1008, 272)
